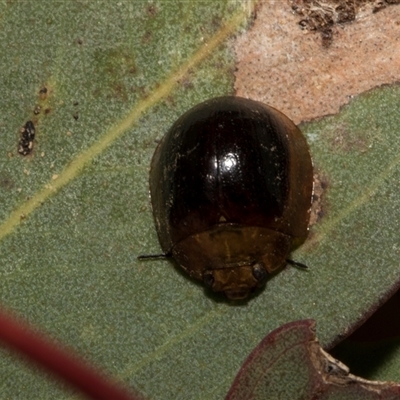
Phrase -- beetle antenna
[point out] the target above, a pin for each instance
(297, 264)
(153, 257)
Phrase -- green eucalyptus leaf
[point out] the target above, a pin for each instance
(101, 83)
(76, 213)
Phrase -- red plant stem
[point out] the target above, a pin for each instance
(19, 336)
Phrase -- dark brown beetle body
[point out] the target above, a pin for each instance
(231, 186)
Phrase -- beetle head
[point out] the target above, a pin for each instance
(236, 282)
(233, 259)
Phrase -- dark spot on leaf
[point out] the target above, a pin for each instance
(327, 36)
(147, 37)
(112, 67)
(25, 144)
(170, 101)
(43, 92)
(343, 138)
(186, 83)
(323, 16)
(142, 91)
(380, 5)
(119, 91)
(216, 22)
(319, 206)
(151, 10)
(5, 181)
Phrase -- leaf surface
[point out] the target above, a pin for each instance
(76, 213)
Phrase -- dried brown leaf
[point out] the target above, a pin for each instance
(290, 364)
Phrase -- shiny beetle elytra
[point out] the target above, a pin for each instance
(231, 185)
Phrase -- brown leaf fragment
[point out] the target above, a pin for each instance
(287, 67)
(322, 15)
(290, 364)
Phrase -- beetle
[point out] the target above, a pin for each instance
(231, 185)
